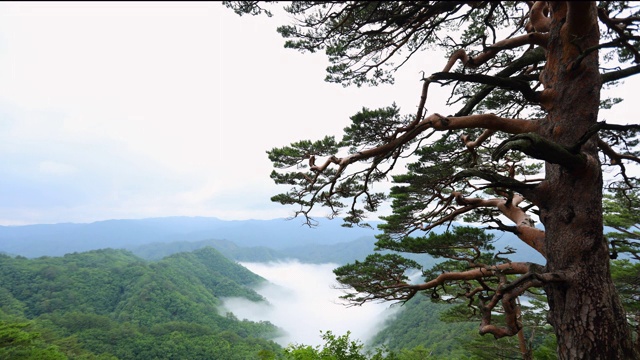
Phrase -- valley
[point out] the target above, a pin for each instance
(131, 289)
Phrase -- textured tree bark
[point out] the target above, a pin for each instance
(586, 313)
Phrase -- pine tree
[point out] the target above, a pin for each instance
(526, 143)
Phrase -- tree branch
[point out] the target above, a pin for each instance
(483, 121)
(473, 274)
(604, 17)
(529, 57)
(615, 157)
(593, 129)
(538, 20)
(497, 180)
(490, 52)
(495, 81)
(472, 144)
(526, 231)
(540, 148)
(507, 294)
(436, 122)
(620, 74)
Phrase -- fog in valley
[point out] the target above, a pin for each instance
(303, 301)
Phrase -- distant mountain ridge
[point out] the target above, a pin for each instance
(241, 240)
(60, 239)
(340, 253)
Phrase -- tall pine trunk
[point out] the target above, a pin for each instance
(585, 310)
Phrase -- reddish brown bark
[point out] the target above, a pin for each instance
(528, 233)
(585, 311)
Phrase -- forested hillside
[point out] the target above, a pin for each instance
(437, 329)
(107, 304)
(419, 324)
(112, 303)
(162, 299)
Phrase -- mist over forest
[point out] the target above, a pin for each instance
(191, 275)
(300, 292)
(303, 300)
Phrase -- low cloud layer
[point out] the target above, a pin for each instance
(303, 302)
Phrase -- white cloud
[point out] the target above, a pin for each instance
(56, 168)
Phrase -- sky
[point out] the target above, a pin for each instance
(112, 110)
(133, 110)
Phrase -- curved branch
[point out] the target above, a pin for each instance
(473, 274)
(473, 62)
(483, 121)
(535, 38)
(526, 231)
(625, 21)
(440, 123)
(472, 144)
(611, 44)
(542, 149)
(320, 168)
(498, 180)
(615, 157)
(507, 294)
(447, 218)
(612, 25)
(528, 58)
(538, 17)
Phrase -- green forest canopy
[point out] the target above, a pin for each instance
(112, 304)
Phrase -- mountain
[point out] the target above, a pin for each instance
(116, 282)
(241, 240)
(112, 302)
(340, 253)
(418, 323)
(59, 239)
(157, 251)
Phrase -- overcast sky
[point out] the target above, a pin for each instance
(133, 110)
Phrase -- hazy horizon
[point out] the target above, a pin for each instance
(337, 219)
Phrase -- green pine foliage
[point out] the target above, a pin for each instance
(336, 348)
(108, 304)
(17, 343)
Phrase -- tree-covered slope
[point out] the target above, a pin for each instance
(112, 302)
(418, 324)
(443, 330)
